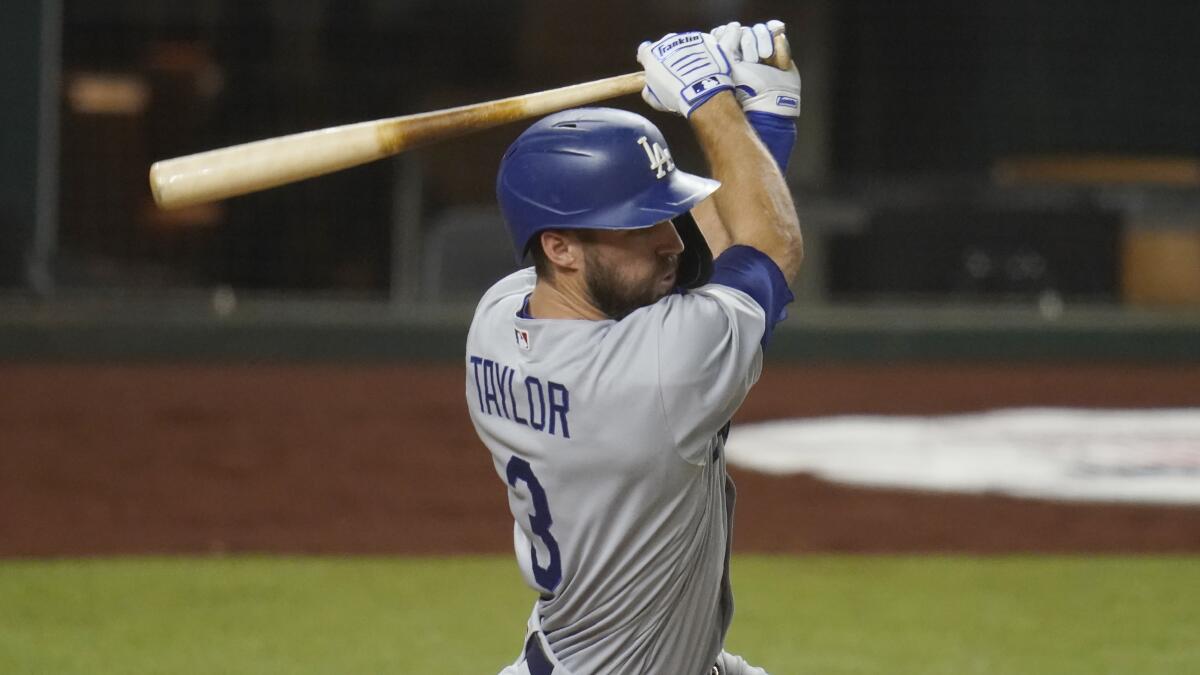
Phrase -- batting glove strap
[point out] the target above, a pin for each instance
(777, 132)
(763, 88)
(683, 71)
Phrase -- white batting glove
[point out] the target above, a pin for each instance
(759, 87)
(683, 70)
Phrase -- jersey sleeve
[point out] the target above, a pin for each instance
(710, 346)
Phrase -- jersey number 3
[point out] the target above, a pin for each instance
(539, 523)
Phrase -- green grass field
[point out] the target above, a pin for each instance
(822, 614)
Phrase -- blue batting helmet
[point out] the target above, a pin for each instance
(600, 168)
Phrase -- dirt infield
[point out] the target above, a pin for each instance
(382, 459)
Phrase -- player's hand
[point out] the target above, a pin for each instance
(759, 87)
(683, 70)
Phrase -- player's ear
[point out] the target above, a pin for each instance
(563, 249)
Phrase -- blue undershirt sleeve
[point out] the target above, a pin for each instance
(776, 132)
(752, 272)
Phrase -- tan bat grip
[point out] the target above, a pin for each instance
(782, 58)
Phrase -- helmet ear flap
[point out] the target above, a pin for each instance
(696, 262)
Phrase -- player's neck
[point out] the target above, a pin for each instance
(563, 298)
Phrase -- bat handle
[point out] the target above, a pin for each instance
(782, 58)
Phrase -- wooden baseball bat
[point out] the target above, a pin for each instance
(250, 167)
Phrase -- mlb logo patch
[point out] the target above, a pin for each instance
(705, 84)
(522, 338)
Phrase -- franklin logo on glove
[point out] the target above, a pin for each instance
(683, 71)
(684, 40)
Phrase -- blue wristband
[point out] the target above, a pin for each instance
(777, 132)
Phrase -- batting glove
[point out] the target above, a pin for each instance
(683, 71)
(759, 87)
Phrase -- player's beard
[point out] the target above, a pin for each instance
(616, 297)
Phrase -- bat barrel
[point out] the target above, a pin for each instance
(250, 167)
(242, 169)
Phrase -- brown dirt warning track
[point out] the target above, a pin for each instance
(130, 459)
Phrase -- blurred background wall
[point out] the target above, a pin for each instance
(964, 165)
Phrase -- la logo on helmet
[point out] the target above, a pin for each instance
(660, 157)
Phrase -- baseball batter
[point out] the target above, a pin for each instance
(603, 379)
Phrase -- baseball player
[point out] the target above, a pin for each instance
(603, 379)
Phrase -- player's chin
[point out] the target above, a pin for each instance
(619, 298)
(649, 294)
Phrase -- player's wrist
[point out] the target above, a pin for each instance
(724, 88)
(717, 110)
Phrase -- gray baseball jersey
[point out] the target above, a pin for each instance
(609, 436)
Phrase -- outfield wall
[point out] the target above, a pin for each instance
(223, 328)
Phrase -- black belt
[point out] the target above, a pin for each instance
(535, 657)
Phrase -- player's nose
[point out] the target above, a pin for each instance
(667, 239)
